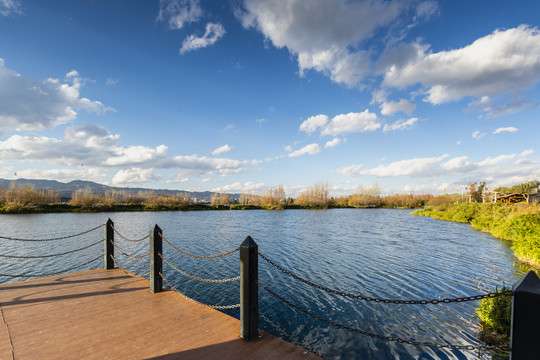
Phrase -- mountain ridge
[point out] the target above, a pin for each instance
(66, 189)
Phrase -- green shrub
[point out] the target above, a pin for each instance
(494, 315)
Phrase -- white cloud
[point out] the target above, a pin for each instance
(509, 129)
(527, 152)
(400, 125)
(179, 12)
(310, 149)
(392, 107)
(213, 32)
(352, 122)
(260, 121)
(238, 187)
(134, 175)
(311, 124)
(10, 7)
(504, 62)
(222, 149)
(477, 135)
(111, 82)
(91, 146)
(416, 166)
(229, 127)
(333, 143)
(491, 161)
(341, 124)
(325, 35)
(64, 175)
(27, 104)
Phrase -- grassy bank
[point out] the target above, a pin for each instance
(519, 223)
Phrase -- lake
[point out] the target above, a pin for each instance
(378, 253)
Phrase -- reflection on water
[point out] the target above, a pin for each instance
(376, 253)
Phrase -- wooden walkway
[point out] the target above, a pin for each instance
(105, 314)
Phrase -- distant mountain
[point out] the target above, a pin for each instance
(66, 189)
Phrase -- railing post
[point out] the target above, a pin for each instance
(524, 339)
(156, 263)
(249, 296)
(109, 247)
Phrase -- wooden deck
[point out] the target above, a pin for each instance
(105, 314)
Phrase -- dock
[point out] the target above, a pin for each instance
(106, 314)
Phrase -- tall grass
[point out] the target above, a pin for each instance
(20, 196)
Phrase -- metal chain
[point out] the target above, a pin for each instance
(53, 239)
(51, 255)
(54, 273)
(198, 302)
(287, 335)
(198, 278)
(386, 301)
(130, 240)
(198, 256)
(127, 272)
(383, 337)
(128, 255)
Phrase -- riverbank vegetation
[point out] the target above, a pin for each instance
(494, 315)
(518, 223)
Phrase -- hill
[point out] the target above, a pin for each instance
(66, 189)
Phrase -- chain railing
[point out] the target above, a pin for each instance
(126, 271)
(53, 273)
(53, 239)
(128, 255)
(378, 336)
(128, 239)
(50, 255)
(195, 277)
(220, 307)
(386, 301)
(199, 256)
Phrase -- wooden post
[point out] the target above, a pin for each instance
(109, 247)
(249, 296)
(524, 335)
(156, 263)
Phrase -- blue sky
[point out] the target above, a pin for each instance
(238, 96)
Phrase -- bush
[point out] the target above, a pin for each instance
(494, 315)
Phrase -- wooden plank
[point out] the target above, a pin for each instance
(105, 314)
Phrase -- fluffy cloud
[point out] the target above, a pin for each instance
(325, 35)
(310, 149)
(392, 107)
(509, 129)
(93, 147)
(311, 124)
(27, 104)
(213, 33)
(341, 124)
(352, 122)
(477, 135)
(415, 166)
(504, 62)
(495, 169)
(333, 143)
(10, 7)
(400, 125)
(222, 149)
(179, 12)
(134, 175)
(238, 187)
(527, 152)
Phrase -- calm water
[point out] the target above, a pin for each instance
(376, 253)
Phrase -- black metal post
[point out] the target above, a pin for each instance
(156, 263)
(109, 247)
(524, 336)
(249, 296)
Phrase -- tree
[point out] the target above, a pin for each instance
(476, 191)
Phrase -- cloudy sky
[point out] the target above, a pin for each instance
(240, 95)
